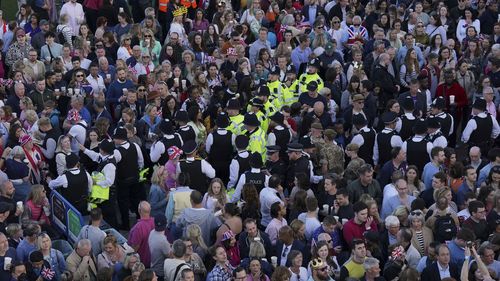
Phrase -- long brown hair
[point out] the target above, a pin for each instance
(411, 65)
(221, 197)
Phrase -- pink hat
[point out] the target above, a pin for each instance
(174, 152)
(73, 115)
(24, 139)
(227, 235)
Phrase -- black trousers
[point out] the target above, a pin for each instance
(91, 16)
(108, 209)
(129, 193)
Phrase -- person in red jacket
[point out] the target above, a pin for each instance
(454, 96)
(361, 223)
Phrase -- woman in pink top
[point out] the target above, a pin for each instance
(174, 153)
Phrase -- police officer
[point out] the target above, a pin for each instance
(257, 107)
(76, 184)
(434, 134)
(241, 162)
(298, 163)
(107, 166)
(275, 164)
(186, 132)
(219, 146)
(445, 119)
(129, 160)
(280, 134)
(405, 127)
(255, 176)
(418, 149)
(311, 75)
(292, 84)
(256, 136)
(387, 139)
(482, 128)
(264, 94)
(309, 150)
(49, 143)
(365, 138)
(199, 170)
(236, 119)
(158, 152)
(276, 88)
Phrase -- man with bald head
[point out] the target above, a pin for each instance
(139, 234)
(475, 159)
(317, 113)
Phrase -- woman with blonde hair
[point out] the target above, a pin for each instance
(216, 196)
(146, 127)
(131, 261)
(112, 253)
(65, 29)
(125, 50)
(441, 209)
(54, 257)
(373, 211)
(37, 207)
(444, 192)
(402, 214)
(150, 45)
(25, 104)
(193, 233)
(63, 149)
(30, 123)
(136, 271)
(158, 194)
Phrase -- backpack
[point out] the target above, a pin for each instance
(444, 228)
(60, 36)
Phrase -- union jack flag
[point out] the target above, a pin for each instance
(47, 273)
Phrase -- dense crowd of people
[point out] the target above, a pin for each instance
(254, 140)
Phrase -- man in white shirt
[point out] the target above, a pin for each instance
(268, 196)
(95, 80)
(75, 13)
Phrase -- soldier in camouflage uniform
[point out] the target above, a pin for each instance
(331, 156)
(317, 135)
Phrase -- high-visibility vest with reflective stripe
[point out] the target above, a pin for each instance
(306, 78)
(291, 94)
(235, 125)
(276, 88)
(162, 5)
(257, 143)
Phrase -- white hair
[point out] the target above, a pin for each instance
(370, 262)
(391, 221)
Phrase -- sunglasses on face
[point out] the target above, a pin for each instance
(79, 76)
(146, 36)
